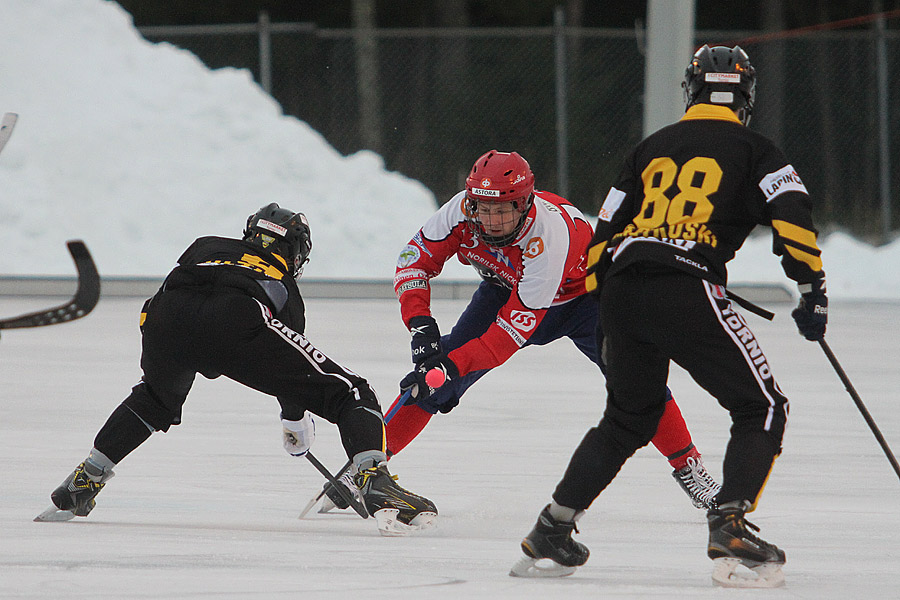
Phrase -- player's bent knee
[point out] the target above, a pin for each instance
(144, 403)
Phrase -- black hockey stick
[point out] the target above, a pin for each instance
(859, 404)
(315, 500)
(341, 488)
(390, 415)
(757, 310)
(82, 303)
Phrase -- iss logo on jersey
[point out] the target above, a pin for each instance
(523, 320)
(409, 255)
(534, 248)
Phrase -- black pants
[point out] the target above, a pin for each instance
(215, 331)
(649, 318)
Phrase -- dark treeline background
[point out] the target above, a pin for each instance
(711, 14)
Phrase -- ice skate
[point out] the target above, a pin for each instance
(333, 500)
(75, 497)
(396, 510)
(732, 545)
(328, 504)
(550, 550)
(697, 483)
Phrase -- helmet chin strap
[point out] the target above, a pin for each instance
(298, 269)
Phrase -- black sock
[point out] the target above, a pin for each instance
(123, 432)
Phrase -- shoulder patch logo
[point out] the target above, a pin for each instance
(409, 255)
(783, 180)
(611, 204)
(534, 248)
(523, 320)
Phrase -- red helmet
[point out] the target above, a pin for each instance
(500, 177)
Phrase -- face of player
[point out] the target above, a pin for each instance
(498, 218)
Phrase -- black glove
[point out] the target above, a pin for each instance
(423, 394)
(811, 315)
(426, 338)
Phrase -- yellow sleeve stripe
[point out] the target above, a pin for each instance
(795, 233)
(143, 318)
(595, 253)
(814, 262)
(803, 237)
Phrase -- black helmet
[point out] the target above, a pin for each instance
(281, 232)
(721, 75)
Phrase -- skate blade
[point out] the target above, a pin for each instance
(539, 567)
(53, 514)
(390, 526)
(726, 574)
(309, 506)
(423, 520)
(327, 506)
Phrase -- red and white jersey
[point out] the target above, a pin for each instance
(543, 267)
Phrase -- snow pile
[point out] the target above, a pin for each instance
(853, 269)
(138, 148)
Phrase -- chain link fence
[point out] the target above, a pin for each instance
(430, 101)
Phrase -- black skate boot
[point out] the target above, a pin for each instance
(731, 545)
(333, 499)
(397, 511)
(75, 497)
(697, 483)
(550, 539)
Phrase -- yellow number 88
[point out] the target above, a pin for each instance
(691, 204)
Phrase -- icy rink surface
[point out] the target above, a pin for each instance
(209, 510)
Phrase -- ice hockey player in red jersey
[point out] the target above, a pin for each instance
(686, 199)
(232, 307)
(529, 247)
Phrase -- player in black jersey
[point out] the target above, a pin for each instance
(685, 201)
(232, 307)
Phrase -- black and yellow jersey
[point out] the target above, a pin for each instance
(690, 194)
(217, 262)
